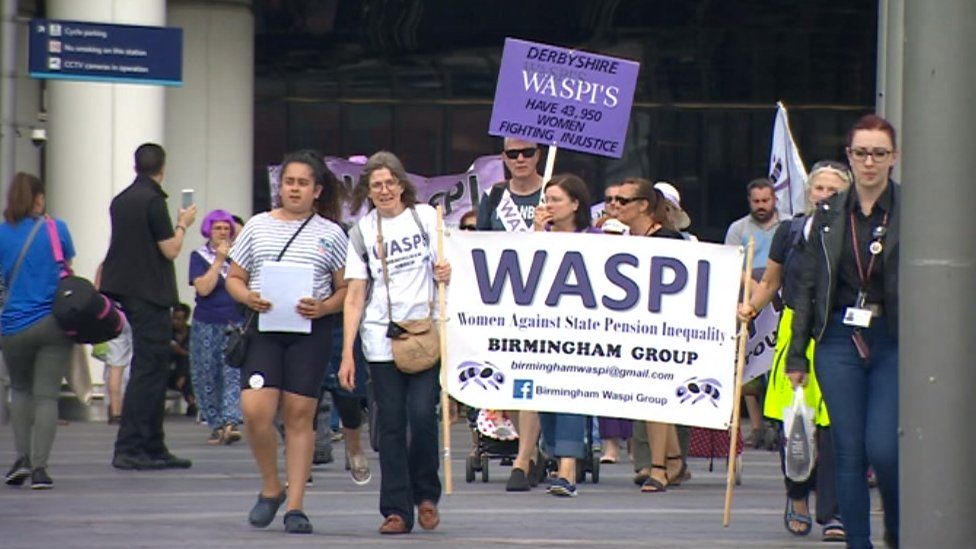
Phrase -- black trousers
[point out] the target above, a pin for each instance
(141, 429)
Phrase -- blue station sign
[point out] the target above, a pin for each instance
(72, 50)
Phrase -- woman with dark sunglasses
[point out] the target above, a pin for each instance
(847, 300)
(642, 208)
(826, 179)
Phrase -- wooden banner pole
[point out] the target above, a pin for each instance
(737, 397)
(445, 400)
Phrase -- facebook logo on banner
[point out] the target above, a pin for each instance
(522, 389)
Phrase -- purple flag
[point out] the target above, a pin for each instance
(568, 98)
(458, 193)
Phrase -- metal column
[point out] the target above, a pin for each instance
(938, 276)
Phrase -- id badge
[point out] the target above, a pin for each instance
(860, 318)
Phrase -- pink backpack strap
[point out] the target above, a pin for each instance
(52, 232)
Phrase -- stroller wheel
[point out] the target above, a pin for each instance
(484, 468)
(469, 469)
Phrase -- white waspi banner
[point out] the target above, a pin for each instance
(594, 324)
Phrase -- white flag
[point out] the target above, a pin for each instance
(786, 169)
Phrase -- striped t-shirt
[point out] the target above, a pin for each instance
(321, 244)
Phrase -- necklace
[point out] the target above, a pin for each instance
(653, 229)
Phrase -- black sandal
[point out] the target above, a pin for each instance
(683, 473)
(653, 485)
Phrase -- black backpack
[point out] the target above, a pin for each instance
(85, 315)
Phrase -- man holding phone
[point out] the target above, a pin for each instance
(138, 272)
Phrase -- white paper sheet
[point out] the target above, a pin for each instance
(284, 284)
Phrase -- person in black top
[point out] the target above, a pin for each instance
(138, 272)
(847, 300)
(642, 208)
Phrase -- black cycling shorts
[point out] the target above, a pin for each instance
(295, 363)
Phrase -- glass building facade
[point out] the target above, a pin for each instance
(418, 78)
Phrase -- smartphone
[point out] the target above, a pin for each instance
(187, 198)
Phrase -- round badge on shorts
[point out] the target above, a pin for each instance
(256, 381)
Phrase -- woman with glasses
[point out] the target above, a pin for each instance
(642, 208)
(826, 179)
(217, 384)
(395, 220)
(847, 300)
(566, 210)
(285, 370)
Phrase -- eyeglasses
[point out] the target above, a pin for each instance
(379, 185)
(467, 227)
(527, 152)
(878, 155)
(624, 200)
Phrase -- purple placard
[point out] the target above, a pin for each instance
(458, 193)
(557, 96)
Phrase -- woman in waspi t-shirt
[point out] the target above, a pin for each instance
(409, 472)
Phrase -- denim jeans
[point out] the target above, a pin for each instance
(406, 401)
(862, 398)
(563, 434)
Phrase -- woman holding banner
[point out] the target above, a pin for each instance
(566, 210)
(847, 300)
(826, 179)
(403, 228)
(642, 208)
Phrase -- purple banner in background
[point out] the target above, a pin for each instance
(557, 96)
(458, 193)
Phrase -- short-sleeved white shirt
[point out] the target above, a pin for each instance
(321, 244)
(410, 257)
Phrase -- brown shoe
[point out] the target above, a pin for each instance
(394, 524)
(428, 515)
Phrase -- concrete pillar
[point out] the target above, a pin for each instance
(93, 131)
(937, 285)
(891, 57)
(210, 119)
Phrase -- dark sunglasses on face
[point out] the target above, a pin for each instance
(527, 152)
(624, 200)
(467, 227)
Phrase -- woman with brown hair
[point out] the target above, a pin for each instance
(391, 246)
(35, 349)
(642, 208)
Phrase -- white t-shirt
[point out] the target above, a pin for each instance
(410, 258)
(321, 244)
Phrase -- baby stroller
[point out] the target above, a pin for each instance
(492, 437)
(590, 464)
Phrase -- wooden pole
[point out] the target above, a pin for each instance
(445, 400)
(739, 367)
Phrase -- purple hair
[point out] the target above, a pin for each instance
(214, 217)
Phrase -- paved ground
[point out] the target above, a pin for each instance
(94, 505)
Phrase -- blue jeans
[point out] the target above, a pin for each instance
(408, 470)
(563, 434)
(862, 398)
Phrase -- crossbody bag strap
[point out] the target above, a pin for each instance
(382, 254)
(52, 232)
(23, 254)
